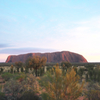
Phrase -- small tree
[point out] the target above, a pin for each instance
(21, 69)
(18, 65)
(80, 72)
(87, 77)
(41, 71)
(98, 76)
(66, 64)
(90, 74)
(1, 69)
(12, 68)
(36, 62)
(26, 70)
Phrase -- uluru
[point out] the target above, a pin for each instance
(54, 57)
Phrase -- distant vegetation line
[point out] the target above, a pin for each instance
(6, 64)
(51, 64)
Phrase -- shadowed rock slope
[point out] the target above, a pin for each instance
(51, 57)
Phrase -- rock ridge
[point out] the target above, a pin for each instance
(53, 57)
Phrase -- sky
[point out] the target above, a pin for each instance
(30, 26)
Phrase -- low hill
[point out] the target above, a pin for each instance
(54, 57)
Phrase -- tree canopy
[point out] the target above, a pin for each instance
(36, 62)
(19, 64)
(66, 64)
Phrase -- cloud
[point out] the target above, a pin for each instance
(24, 50)
(3, 45)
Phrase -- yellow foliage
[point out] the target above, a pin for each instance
(64, 87)
(38, 78)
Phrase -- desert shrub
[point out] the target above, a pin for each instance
(18, 64)
(17, 69)
(89, 66)
(30, 95)
(66, 64)
(22, 69)
(93, 95)
(20, 77)
(94, 74)
(2, 96)
(41, 71)
(80, 72)
(7, 76)
(46, 77)
(60, 87)
(98, 76)
(31, 83)
(13, 88)
(15, 76)
(11, 68)
(87, 77)
(1, 69)
(0, 87)
(8, 70)
(14, 71)
(26, 70)
(45, 96)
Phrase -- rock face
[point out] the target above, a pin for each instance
(55, 57)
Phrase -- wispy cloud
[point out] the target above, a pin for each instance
(24, 50)
(3, 45)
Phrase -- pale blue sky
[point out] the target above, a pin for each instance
(50, 25)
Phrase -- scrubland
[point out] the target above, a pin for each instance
(57, 83)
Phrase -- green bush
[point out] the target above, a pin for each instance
(18, 70)
(15, 76)
(2, 96)
(26, 70)
(45, 96)
(80, 72)
(1, 69)
(20, 76)
(93, 95)
(22, 69)
(7, 76)
(45, 79)
(13, 88)
(30, 95)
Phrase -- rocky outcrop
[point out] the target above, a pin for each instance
(51, 57)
